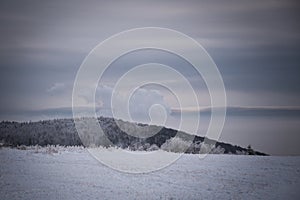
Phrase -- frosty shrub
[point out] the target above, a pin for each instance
(241, 152)
(153, 147)
(146, 146)
(217, 150)
(176, 145)
(51, 149)
(21, 147)
(206, 148)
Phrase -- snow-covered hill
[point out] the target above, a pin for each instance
(72, 173)
(63, 132)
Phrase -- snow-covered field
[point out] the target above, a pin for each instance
(74, 174)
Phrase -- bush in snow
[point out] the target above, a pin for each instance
(241, 152)
(205, 148)
(176, 145)
(217, 150)
(153, 147)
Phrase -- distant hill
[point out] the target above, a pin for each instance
(63, 132)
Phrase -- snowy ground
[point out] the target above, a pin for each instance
(75, 174)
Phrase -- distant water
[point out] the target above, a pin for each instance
(272, 134)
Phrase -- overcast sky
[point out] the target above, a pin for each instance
(255, 44)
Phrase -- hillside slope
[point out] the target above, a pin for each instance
(63, 132)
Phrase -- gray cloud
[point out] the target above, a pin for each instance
(57, 87)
